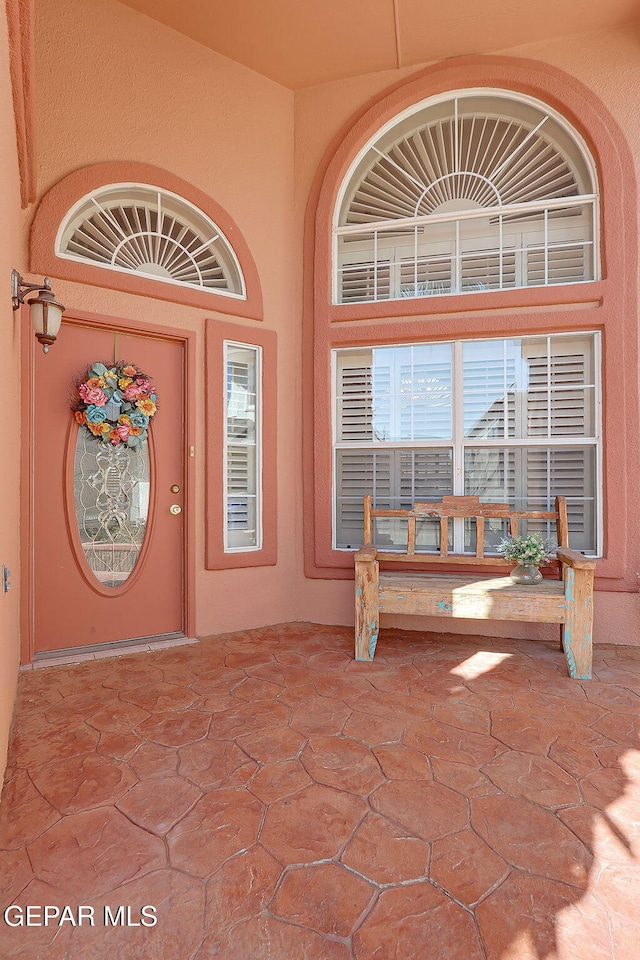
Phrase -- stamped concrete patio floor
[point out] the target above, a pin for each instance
(275, 800)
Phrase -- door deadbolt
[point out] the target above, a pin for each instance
(175, 488)
(175, 508)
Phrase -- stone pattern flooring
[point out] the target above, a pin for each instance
(456, 799)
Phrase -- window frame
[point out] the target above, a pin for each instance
(217, 332)
(458, 443)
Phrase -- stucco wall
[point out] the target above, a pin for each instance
(135, 90)
(10, 256)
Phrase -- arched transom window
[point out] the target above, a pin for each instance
(481, 190)
(143, 229)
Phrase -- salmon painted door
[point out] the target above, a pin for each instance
(107, 521)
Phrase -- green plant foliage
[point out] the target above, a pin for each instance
(530, 551)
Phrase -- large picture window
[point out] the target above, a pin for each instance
(508, 420)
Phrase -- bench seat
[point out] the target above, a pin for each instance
(480, 598)
(476, 594)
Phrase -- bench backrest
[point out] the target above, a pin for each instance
(469, 508)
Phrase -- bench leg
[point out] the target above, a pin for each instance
(577, 632)
(367, 616)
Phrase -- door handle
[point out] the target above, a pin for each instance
(175, 508)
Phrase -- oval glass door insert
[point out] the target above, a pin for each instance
(111, 493)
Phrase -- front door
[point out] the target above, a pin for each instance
(107, 519)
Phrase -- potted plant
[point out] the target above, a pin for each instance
(528, 553)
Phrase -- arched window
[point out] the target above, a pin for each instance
(152, 232)
(478, 190)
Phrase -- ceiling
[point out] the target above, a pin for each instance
(300, 43)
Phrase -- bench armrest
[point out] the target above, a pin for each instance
(366, 553)
(574, 559)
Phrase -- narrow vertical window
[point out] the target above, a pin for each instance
(242, 447)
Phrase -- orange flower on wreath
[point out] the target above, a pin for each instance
(97, 429)
(147, 406)
(129, 371)
(95, 382)
(81, 417)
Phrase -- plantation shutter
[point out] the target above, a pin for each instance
(568, 472)
(395, 479)
(142, 229)
(241, 451)
(365, 281)
(240, 483)
(479, 192)
(488, 380)
(359, 473)
(529, 422)
(425, 276)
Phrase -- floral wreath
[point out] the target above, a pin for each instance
(116, 403)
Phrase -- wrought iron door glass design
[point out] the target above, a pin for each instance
(111, 488)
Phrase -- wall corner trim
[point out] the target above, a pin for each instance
(20, 14)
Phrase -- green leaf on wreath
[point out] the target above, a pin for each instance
(99, 369)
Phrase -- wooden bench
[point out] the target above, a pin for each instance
(567, 601)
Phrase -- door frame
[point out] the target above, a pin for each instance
(29, 345)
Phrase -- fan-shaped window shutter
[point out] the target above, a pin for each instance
(479, 191)
(143, 229)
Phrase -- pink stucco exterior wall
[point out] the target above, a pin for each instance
(255, 148)
(11, 255)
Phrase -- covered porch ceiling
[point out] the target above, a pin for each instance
(299, 43)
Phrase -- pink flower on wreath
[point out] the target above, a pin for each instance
(123, 430)
(133, 392)
(92, 395)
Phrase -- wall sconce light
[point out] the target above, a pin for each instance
(46, 312)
